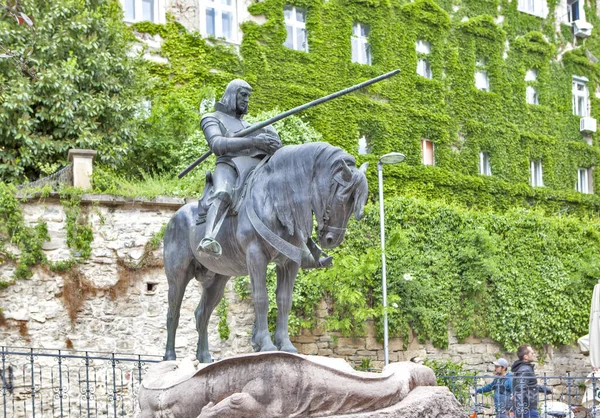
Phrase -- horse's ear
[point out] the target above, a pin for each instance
(346, 171)
(363, 168)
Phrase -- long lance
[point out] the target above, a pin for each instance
(260, 125)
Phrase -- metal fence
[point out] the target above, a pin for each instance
(62, 176)
(55, 383)
(570, 397)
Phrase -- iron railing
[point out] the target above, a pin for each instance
(65, 383)
(55, 383)
(571, 397)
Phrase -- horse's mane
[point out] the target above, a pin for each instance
(291, 174)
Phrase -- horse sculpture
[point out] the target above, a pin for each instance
(275, 220)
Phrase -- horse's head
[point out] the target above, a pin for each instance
(348, 194)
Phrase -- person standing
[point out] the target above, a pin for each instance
(502, 388)
(524, 384)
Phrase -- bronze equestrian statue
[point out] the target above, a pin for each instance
(235, 157)
(258, 208)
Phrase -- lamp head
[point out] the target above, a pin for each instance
(392, 158)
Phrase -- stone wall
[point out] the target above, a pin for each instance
(126, 311)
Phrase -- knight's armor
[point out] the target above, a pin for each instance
(218, 128)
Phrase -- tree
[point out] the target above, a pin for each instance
(66, 81)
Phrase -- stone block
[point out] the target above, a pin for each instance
(371, 343)
(492, 348)
(357, 343)
(479, 349)
(303, 339)
(325, 352)
(344, 351)
(309, 349)
(395, 344)
(472, 340)
(461, 348)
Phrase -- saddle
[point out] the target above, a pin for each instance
(245, 168)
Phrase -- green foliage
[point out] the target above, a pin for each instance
(445, 370)
(79, 230)
(67, 83)
(460, 246)
(156, 240)
(13, 230)
(223, 328)
(529, 275)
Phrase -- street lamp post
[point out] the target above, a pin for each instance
(391, 158)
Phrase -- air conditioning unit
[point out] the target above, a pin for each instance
(582, 29)
(587, 125)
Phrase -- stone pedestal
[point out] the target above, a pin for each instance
(82, 167)
(277, 385)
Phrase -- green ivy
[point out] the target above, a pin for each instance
(461, 246)
(79, 230)
(13, 229)
(223, 328)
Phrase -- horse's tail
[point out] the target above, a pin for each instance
(179, 267)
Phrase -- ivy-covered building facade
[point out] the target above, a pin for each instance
(493, 221)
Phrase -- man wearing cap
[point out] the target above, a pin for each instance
(502, 388)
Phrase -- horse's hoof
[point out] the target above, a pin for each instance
(169, 356)
(288, 348)
(204, 358)
(268, 347)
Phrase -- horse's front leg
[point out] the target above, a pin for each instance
(286, 276)
(257, 262)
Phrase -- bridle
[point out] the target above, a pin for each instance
(339, 181)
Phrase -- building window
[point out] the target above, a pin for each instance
(573, 10)
(219, 18)
(484, 164)
(427, 151)
(536, 174)
(584, 185)
(580, 97)
(364, 145)
(533, 7)
(423, 65)
(361, 50)
(295, 26)
(141, 10)
(482, 82)
(531, 89)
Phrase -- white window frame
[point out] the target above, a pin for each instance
(482, 81)
(361, 49)
(424, 154)
(580, 11)
(584, 180)
(485, 168)
(219, 9)
(295, 26)
(423, 65)
(364, 145)
(581, 102)
(531, 95)
(533, 7)
(158, 12)
(536, 173)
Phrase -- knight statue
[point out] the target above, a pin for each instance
(236, 157)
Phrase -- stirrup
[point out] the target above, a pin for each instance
(210, 246)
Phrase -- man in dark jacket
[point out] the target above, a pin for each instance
(502, 388)
(525, 388)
